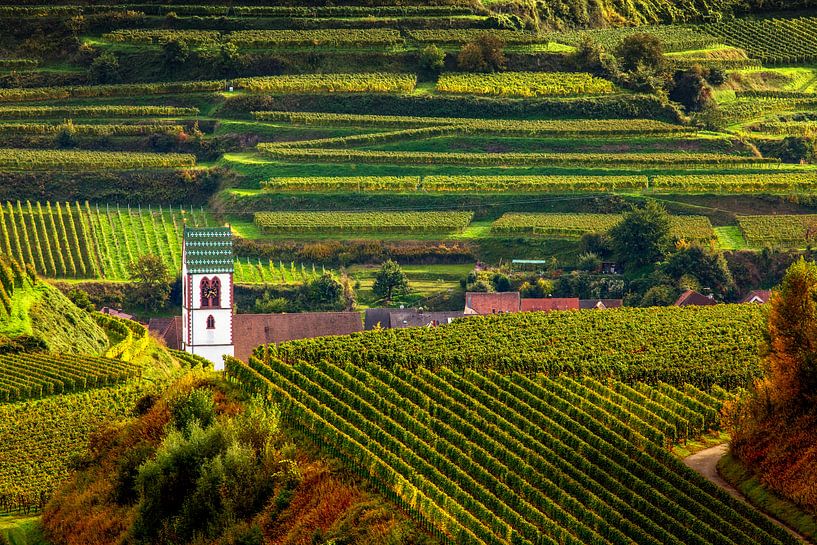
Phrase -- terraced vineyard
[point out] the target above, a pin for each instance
(486, 458)
(783, 230)
(771, 40)
(362, 221)
(575, 225)
(524, 84)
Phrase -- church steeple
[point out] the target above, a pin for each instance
(207, 288)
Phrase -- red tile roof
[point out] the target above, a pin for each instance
(757, 296)
(550, 303)
(491, 303)
(600, 304)
(693, 298)
(252, 330)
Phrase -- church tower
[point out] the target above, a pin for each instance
(207, 293)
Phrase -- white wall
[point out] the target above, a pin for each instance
(213, 353)
(209, 343)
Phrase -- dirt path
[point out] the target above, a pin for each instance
(706, 463)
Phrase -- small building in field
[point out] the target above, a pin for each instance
(116, 313)
(759, 297)
(691, 298)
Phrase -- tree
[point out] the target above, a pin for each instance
(642, 237)
(793, 338)
(176, 53)
(501, 282)
(707, 266)
(796, 149)
(690, 88)
(152, 282)
(390, 281)
(482, 55)
(105, 69)
(324, 293)
(81, 299)
(661, 295)
(641, 50)
(229, 59)
(432, 59)
(591, 56)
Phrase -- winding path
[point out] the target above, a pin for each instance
(706, 461)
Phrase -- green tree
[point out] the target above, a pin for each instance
(176, 53)
(642, 237)
(81, 299)
(706, 265)
(662, 295)
(390, 281)
(151, 280)
(641, 50)
(322, 294)
(485, 54)
(105, 69)
(432, 59)
(690, 89)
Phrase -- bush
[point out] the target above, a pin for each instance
(432, 59)
(105, 69)
(482, 55)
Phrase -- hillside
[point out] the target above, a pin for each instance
(218, 466)
(40, 310)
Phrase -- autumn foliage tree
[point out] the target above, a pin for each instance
(793, 336)
(774, 431)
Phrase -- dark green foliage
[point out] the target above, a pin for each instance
(704, 264)
(24, 344)
(81, 299)
(105, 69)
(390, 281)
(151, 277)
(642, 238)
(661, 295)
(321, 294)
(605, 107)
(641, 50)
(153, 186)
(691, 89)
(195, 407)
(796, 149)
(175, 53)
(432, 59)
(501, 282)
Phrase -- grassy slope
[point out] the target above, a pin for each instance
(738, 476)
(41, 310)
(21, 530)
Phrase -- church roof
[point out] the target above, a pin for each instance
(208, 250)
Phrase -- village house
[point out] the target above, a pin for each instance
(481, 303)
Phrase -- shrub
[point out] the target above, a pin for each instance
(482, 55)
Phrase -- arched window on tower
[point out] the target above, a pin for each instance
(210, 292)
(211, 322)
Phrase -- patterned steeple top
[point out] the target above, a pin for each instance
(209, 250)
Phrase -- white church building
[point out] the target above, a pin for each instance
(207, 293)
